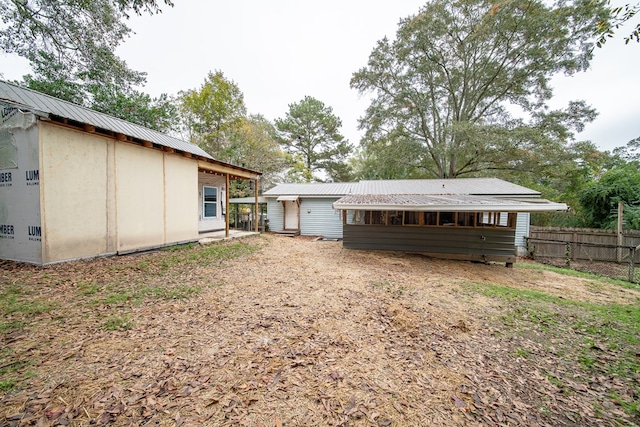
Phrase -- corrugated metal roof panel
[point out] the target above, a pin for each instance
(53, 106)
(421, 202)
(477, 186)
(288, 198)
(312, 189)
(458, 186)
(248, 200)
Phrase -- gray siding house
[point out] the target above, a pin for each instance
(485, 219)
(306, 209)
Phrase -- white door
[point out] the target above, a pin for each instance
(291, 215)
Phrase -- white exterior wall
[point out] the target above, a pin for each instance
(219, 182)
(318, 218)
(76, 194)
(140, 197)
(20, 220)
(181, 198)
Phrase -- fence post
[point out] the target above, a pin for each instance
(619, 231)
(632, 273)
(567, 254)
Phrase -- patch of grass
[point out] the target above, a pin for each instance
(577, 273)
(394, 289)
(135, 295)
(10, 326)
(142, 266)
(216, 253)
(119, 297)
(89, 288)
(179, 292)
(555, 381)
(174, 259)
(601, 340)
(632, 407)
(13, 300)
(11, 375)
(9, 368)
(118, 323)
(7, 385)
(175, 248)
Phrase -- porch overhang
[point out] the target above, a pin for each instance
(443, 203)
(234, 172)
(288, 198)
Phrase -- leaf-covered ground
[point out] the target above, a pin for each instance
(278, 331)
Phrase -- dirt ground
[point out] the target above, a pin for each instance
(298, 333)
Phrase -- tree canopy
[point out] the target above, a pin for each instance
(71, 49)
(463, 89)
(619, 16)
(80, 35)
(253, 143)
(600, 197)
(310, 133)
(211, 112)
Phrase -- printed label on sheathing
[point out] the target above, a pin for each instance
(7, 231)
(5, 179)
(35, 233)
(32, 177)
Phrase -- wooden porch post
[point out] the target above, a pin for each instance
(256, 219)
(226, 206)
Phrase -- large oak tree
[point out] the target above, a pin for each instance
(464, 87)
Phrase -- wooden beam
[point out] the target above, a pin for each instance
(89, 128)
(255, 210)
(222, 169)
(147, 144)
(169, 150)
(121, 137)
(187, 155)
(226, 206)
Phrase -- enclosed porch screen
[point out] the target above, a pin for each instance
(433, 219)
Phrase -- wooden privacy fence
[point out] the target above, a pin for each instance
(597, 251)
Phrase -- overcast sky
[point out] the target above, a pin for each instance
(278, 51)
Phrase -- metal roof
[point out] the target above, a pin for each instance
(288, 198)
(318, 189)
(430, 203)
(45, 105)
(469, 186)
(247, 200)
(458, 186)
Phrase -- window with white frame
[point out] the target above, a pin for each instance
(209, 202)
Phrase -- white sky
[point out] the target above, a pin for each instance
(281, 50)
